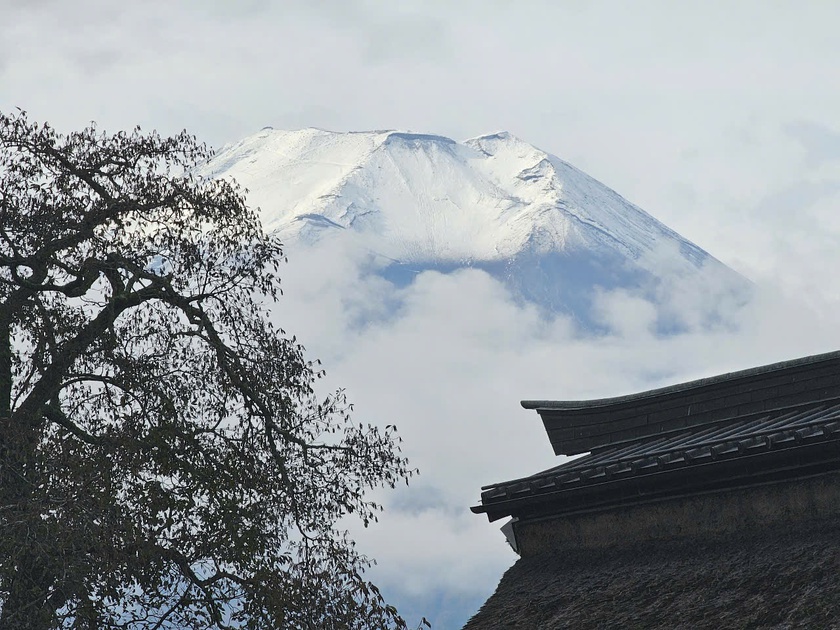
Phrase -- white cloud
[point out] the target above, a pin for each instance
(448, 358)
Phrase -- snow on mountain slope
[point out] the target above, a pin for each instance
(495, 202)
(429, 198)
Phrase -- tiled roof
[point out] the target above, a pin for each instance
(789, 428)
(580, 426)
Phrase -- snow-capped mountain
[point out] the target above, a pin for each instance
(493, 202)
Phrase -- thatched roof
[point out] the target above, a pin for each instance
(772, 578)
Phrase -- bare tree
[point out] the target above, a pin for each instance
(164, 459)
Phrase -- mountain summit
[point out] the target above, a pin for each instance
(494, 202)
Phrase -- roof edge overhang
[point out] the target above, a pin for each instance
(580, 426)
(788, 464)
(595, 403)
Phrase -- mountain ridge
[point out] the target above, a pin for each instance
(524, 182)
(423, 201)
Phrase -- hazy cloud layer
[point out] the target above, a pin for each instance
(448, 359)
(821, 143)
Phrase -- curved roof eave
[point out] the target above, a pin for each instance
(569, 405)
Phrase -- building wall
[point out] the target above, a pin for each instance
(716, 513)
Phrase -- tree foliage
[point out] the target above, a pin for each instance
(165, 461)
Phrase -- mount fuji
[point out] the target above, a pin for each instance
(417, 202)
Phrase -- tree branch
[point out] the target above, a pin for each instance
(54, 414)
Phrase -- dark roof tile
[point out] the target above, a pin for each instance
(702, 448)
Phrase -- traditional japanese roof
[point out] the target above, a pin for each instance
(774, 422)
(709, 504)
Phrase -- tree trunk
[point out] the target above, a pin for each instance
(23, 570)
(24, 550)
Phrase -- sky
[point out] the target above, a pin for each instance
(721, 119)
